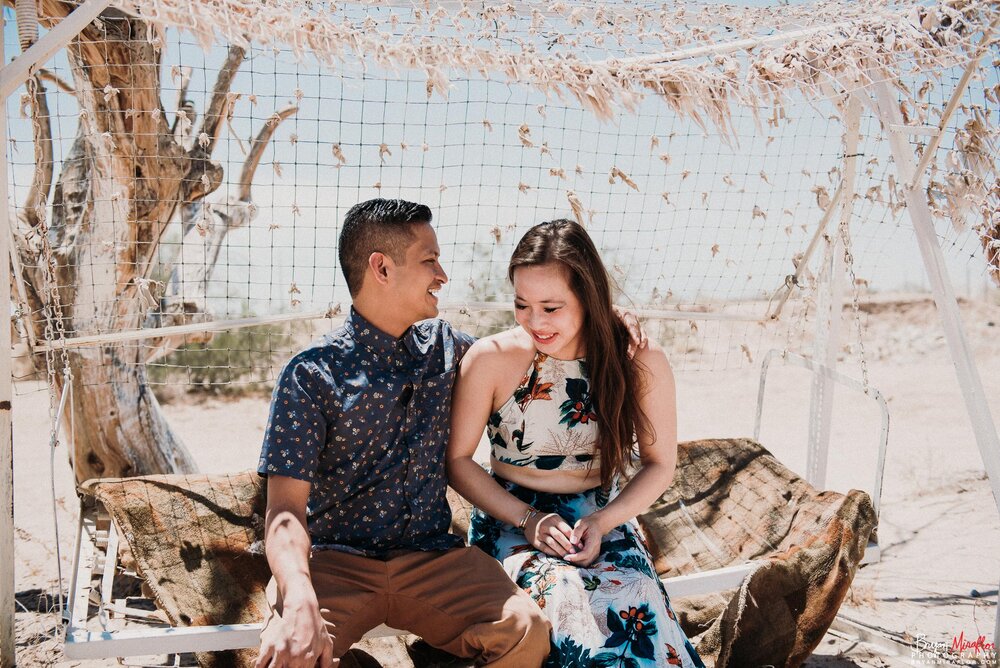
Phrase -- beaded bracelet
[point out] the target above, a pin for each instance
(531, 512)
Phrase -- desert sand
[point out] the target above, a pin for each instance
(939, 528)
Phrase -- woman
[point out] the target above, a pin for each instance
(562, 434)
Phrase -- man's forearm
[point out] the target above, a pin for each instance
(287, 547)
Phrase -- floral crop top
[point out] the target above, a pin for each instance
(549, 422)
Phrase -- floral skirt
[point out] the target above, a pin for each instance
(614, 612)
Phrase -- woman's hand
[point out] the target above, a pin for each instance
(586, 536)
(551, 534)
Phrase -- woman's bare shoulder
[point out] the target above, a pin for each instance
(654, 359)
(502, 348)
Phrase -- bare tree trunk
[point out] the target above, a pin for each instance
(111, 204)
(116, 422)
(120, 186)
(127, 176)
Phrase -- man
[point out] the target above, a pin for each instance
(356, 530)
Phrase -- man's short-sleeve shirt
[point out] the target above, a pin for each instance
(364, 417)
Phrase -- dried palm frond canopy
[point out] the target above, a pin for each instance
(700, 58)
(605, 55)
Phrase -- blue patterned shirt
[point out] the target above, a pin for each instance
(364, 417)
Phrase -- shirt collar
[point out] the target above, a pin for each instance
(379, 342)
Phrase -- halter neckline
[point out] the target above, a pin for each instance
(558, 359)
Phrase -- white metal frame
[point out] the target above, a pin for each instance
(828, 376)
(944, 293)
(830, 307)
(96, 566)
(15, 73)
(833, 377)
(94, 571)
(941, 287)
(335, 311)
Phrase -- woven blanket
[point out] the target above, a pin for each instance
(196, 540)
(732, 502)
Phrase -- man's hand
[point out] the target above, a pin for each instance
(637, 335)
(296, 639)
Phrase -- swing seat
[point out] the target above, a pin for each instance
(735, 518)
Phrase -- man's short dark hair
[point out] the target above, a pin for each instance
(378, 225)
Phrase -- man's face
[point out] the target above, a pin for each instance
(416, 281)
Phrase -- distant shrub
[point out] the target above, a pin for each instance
(234, 363)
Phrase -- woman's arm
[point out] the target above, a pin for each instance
(480, 373)
(657, 454)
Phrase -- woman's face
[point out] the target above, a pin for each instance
(549, 311)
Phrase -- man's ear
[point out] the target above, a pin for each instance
(379, 265)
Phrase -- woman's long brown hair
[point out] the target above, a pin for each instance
(615, 378)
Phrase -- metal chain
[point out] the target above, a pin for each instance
(55, 329)
(845, 238)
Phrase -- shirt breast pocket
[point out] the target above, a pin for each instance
(439, 382)
(435, 395)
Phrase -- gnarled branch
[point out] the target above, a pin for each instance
(28, 243)
(257, 150)
(204, 175)
(54, 78)
(204, 228)
(33, 212)
(219, 106)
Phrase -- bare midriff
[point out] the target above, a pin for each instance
(557, 482)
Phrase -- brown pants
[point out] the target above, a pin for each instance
(458, 600)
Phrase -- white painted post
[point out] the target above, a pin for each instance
(944, 292)
(830, 309)
(944, 296)
(829, 305)
(7, 658)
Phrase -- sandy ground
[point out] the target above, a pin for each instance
(939, 530)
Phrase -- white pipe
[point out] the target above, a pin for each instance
(22, 67)
(454, 307)
(944, 294)
(944, 298)
(179, 330)
(718, 49)
(831, 309)
(952, 105)
(652, 313)
(807, 255)
(7, 657)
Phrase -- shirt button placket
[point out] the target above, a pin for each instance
(399, 366)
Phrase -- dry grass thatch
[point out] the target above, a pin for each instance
(702, 59)
(608, 57)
